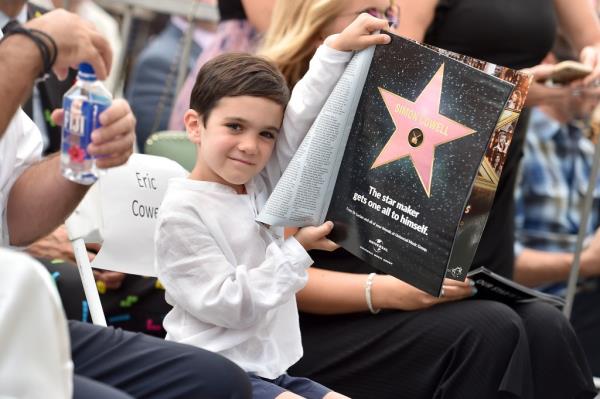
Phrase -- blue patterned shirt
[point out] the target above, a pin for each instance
(554, 176)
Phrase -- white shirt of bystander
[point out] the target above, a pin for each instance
(20, 147)
(34, 338)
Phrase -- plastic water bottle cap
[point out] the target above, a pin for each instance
(84, 67)
(86, 72)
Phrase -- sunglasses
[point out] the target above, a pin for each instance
(388, 14)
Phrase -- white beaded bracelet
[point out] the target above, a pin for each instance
(368, 285)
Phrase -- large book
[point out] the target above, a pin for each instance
(494, 287)
(404, 158)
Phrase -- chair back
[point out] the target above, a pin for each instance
(120, 212)
(174, 145)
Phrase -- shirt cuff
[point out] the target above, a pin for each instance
(297, 253)
(331, 55)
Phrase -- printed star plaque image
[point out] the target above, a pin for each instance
(420, 128)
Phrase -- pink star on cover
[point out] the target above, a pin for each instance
(421, 123)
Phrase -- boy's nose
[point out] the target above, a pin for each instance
(249, 144)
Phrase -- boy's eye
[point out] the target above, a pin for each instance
(234, 126)
(268, 135)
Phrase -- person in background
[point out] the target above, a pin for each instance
(151, 86)
(476, 29)
(555, 173)
(291, 39)
(242, 21)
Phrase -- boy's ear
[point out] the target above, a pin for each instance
(193, 125)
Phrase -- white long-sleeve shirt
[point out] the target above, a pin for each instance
(231, 281)
(20, 147)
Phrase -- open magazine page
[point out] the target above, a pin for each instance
(492, 286)
(304, 191)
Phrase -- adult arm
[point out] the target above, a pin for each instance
(331, 292)
(41, 198)
(534, 267)
(39, 189)
(579, 21)
(21, 62)
(19, 67)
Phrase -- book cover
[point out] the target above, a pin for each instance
(494, 287)
(420, 131)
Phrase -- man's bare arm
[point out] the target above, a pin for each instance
(534, 267)
(19, 66)
(40, 200)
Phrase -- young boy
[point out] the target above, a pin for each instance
(231, 280)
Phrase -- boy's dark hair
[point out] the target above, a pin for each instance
(233, 75)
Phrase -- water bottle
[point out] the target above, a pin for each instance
(83, 103)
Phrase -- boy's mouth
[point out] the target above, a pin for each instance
(245, 162)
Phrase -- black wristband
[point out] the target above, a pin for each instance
(51, 44)
(44, 42)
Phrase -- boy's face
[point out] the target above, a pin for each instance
(237, 141)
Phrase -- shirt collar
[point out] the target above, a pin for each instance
(201, 37)
(21, 16)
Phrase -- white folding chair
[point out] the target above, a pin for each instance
(585, 215)
(120, 212)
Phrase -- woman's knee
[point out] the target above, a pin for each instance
(544, 322)
(493, 320)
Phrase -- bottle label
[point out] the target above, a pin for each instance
(80, 120)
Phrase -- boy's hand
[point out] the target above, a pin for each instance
(359, 34)
(314, 237)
